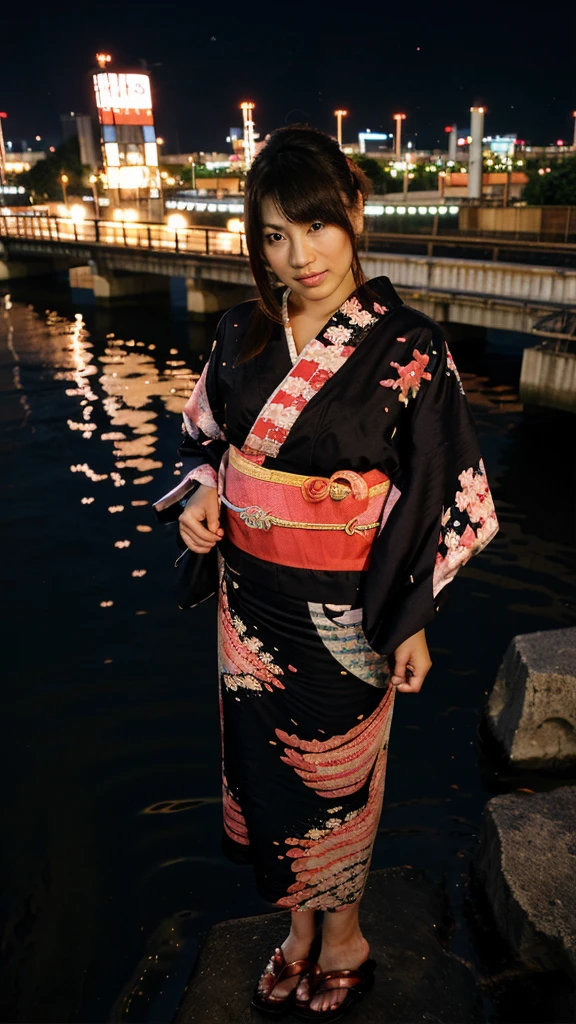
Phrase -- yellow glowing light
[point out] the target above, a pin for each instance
(176, 221)
(103, 59)
(170, 181)
(341, 113)
(62, 210)
(64, 179)
(93, 179)
(398, 117)
(159, 141)
(77, 213)
(235, 225)
(164, 175)
(125, 214)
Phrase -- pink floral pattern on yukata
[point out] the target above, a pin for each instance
(243, 664)
(409, 376)
(331, 860)
(466, 527)
(452, 366)
(317, 363)
(197, 413)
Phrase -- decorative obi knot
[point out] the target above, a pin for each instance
(317, 488)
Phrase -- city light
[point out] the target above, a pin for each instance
(235, 225)
(102, 59)
(176, 221)
(249, 138)
(127, 214)
(77, 213)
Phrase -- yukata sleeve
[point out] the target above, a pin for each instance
(204, 439)
(440, 510)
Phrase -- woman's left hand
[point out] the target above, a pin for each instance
(411, 663)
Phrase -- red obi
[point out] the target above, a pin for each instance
(307, 522)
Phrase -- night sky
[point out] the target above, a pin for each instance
(298, 62)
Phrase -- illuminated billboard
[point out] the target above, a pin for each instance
(123, 98)
(128, 138)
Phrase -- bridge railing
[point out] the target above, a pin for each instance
(157, 237)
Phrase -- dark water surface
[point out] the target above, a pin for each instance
(112, 868)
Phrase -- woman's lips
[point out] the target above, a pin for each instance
(312, 279)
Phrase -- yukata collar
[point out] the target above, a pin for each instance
(317, 363)
(376, 296)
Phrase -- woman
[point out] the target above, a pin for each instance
(337, 468)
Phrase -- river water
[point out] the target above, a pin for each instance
(112, 870)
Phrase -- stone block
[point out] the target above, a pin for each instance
(403, 915)
(527, 864)
(532, 708)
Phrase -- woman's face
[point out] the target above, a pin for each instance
(312, 259)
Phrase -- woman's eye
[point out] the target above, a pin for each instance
(316, 226)
(274, 237)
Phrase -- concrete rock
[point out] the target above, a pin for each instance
(532, 707)
(527, 864)
(402, 915)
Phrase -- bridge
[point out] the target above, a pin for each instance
(207, 269)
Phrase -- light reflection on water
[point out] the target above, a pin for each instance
(113, 863)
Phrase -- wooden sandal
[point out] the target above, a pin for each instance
(277, 970)
(358, 981)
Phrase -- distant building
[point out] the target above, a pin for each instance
(84, 128)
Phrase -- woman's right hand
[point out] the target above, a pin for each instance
(203, 507)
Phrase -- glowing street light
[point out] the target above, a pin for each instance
(192, 163)
(3, 115)
(93, 179)
(103, 59)
(399, 118)
(249, 141)
(64, 179)
(339, 114)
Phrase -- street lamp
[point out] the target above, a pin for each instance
(3, 115)
(399, 118)
(574, 142)
(64, 179)
(93, 179)
(339, 114)
(192, 171)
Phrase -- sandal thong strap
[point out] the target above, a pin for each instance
(326, 980)
(280, 970)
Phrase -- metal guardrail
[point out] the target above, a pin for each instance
(219, 241)
(374, 240)
(154, 237)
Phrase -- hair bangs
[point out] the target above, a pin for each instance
(302, 193)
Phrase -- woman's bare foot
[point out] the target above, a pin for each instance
(295, 947)
(334, 957)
